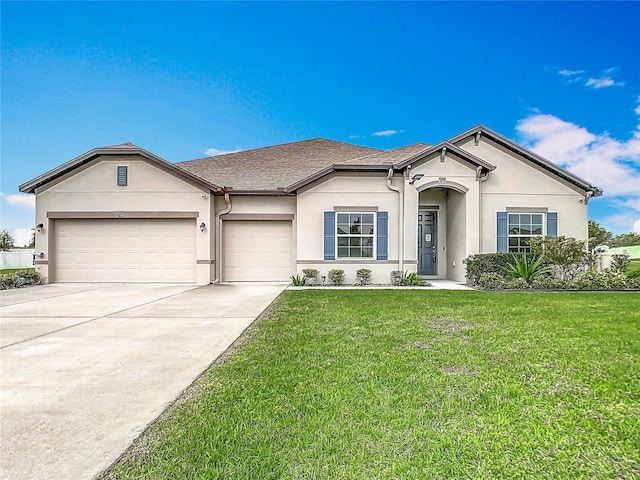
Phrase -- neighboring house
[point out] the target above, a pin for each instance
(122, 214)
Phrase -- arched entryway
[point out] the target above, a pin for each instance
(441, 229)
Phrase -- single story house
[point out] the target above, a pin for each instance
(122, 214)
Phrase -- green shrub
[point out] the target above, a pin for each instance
(411, 278)
(491, 281)
(620, 262)
(310, 272)
(297, 280)
(7, 281)
(336, 275)
(20, 278)
(525, 269)
(606, 280)
(546, 283)
(517, 284)
(364, 275)
(396, 277)
(568, 256)
(483, 263)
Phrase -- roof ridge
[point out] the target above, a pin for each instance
(391, 150)
(268, 147)
(122, 145)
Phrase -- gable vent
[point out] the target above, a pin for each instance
(122, 175)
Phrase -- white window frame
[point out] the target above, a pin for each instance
(521, 249)
(350, 235)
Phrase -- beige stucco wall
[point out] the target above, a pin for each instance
(362, 190)
(456, 235)
(519, 184)
(93, 188)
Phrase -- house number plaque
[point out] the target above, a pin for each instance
(121, 215)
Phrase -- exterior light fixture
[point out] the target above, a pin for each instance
(203, 227)
(39, 227)
(324, 278)
(415, 178)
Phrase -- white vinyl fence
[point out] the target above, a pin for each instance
(17, 258)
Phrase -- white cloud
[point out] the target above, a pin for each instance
(386, 133)
(609, 163)
(585, 154)
(212, 152)
(21, 199)
(569, 73)
(22, 236)
(605, 79)
(636, 226)
(603, 82)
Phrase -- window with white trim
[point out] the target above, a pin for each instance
(522, 227)
(355, 235)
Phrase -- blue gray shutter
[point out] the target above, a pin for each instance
(552, 224)
(382, 236)
(329, 235)
(502, 232)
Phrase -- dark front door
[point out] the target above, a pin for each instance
(427, 242)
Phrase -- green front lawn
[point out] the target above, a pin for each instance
(8, 271)
(388, 384)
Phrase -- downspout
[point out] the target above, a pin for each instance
(585, 200)
(480, 178)
(227, 209)
(401, 220)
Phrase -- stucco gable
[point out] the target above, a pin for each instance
(99, 175)
(476, 136)
(444, 150)
(115, 151)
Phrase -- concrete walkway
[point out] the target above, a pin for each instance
(448, 285)
(84, 368)
(435, 285)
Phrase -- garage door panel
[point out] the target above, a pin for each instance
(258, 250)
(125, 250)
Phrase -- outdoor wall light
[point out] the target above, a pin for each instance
(416, 177)
(39, 227)
(203, 227)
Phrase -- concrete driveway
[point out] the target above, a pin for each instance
(84, 368)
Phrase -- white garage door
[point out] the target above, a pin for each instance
(257, 250)
(125, 250)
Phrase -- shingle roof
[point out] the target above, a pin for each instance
(271, 168)
(389, 156)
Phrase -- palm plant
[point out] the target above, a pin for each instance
(522, 268)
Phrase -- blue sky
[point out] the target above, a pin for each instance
(186, 78)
